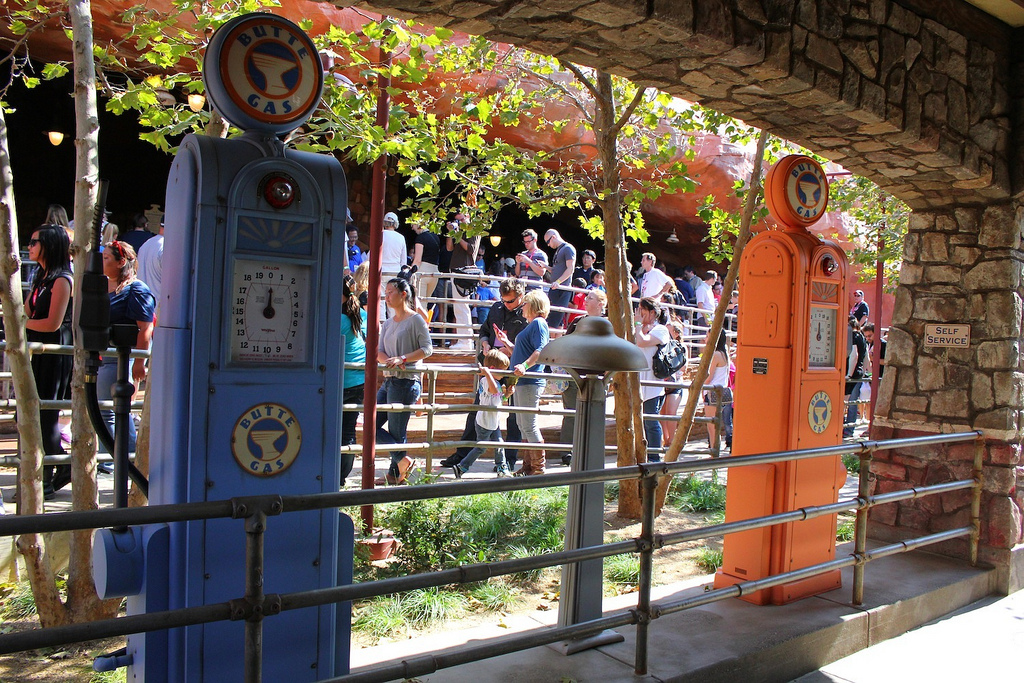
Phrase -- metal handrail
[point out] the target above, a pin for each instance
(255, 607)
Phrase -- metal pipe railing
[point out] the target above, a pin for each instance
(255, 605)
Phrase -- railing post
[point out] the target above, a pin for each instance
(860, 532)
(648, 498)
(978, 473)
(431, 399)
(255, 526)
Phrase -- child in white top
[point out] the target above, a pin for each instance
(488, 421)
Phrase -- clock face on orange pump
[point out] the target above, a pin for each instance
(821, 346)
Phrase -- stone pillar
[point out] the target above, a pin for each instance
(960, 266)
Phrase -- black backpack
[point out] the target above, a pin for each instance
(668, 359)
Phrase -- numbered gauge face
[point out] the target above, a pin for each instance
(821, 347)
(269, 313)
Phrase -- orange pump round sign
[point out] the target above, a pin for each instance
(796, 191)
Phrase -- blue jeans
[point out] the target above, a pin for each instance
(652, 427)
(851, 410)
(105, 379)
(558, 297)
(348, 427)
(469, 434)
(499, 453)
(397, 390)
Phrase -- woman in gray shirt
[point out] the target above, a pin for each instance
(404, 343)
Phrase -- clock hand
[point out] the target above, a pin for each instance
(268, 312)
(819, 332)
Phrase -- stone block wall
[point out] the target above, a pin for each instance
(912, 94)
(963, 266)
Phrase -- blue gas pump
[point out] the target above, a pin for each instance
(246, 372)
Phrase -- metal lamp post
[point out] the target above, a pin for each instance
(590, 355)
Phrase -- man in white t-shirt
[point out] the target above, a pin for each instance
(706, 298)
(393, 251)
(150, 261)
(654, 282)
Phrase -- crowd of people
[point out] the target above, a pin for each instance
(535, 297)
(48, 307)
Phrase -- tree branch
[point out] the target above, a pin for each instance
(628, 112)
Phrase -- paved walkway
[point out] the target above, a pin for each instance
(980, 642)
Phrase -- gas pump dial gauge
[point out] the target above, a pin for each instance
(821, 346)
(269, 312)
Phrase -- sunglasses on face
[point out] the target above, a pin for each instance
(33, 242)
(510, 302)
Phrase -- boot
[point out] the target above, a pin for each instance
(539, 460)
(525, 459)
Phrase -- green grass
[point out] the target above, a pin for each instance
(385, 616)
(709, 559)
(622, 570)
(845, 531)
(692, 494)
(852, 463)
(16, 601)
(495, 595)
(115, 676)
(380, 617)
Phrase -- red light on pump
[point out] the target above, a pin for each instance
(279, 191)
(828, 265)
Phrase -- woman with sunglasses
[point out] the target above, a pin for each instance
(48, 308)
(404, 343)
(131, 303)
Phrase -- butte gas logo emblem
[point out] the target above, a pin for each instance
(819, 412)
(266, 439)
(266, 71)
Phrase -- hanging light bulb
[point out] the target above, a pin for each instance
(495, 240)
(196, 102)
(673, 238)
(56, 137)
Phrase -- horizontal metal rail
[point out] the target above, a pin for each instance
(275, 505)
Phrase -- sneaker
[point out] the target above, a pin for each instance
(567, 459)
(450, 461)
(502, 474)
(457, 471)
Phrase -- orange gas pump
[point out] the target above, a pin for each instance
(790, 364)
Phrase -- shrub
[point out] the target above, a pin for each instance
(691, 494)
(445, 533)
(852, 463)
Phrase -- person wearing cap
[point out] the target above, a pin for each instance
(860, 309)
(393, 253)
(586, 271)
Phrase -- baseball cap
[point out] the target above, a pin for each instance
(859, 292)
(391, 218)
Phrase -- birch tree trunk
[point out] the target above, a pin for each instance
(683, 430)
(83, 604)
(626, 386)
(30, 486)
